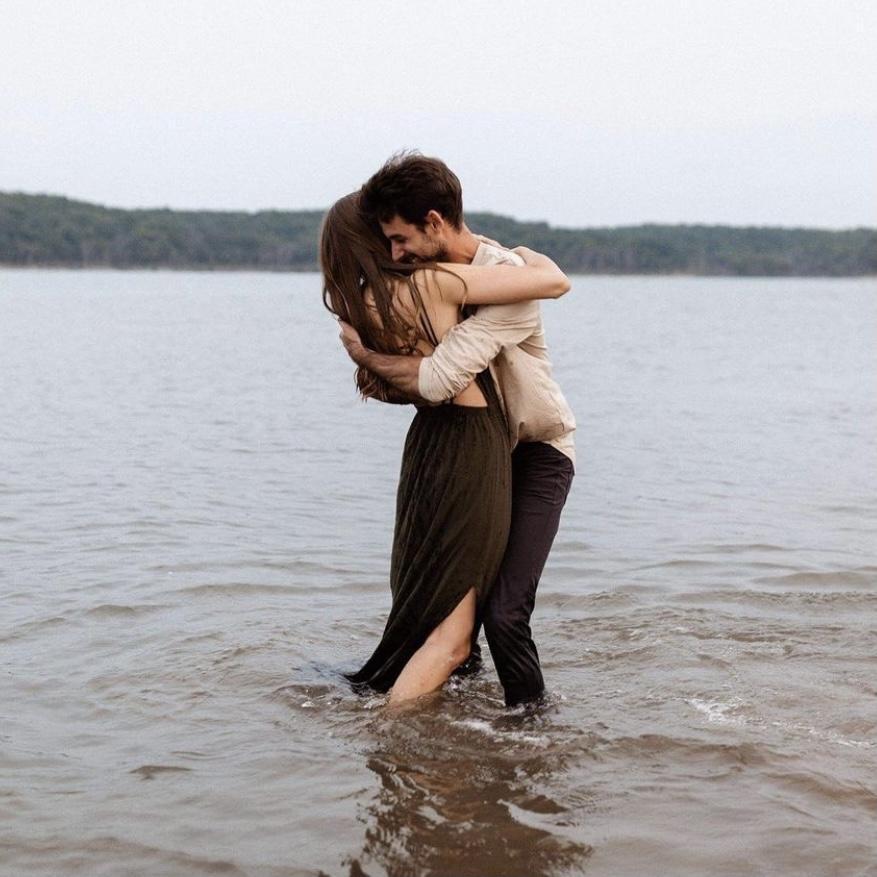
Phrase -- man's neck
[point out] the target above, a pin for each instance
(462, 246)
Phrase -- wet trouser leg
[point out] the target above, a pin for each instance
(541, 478)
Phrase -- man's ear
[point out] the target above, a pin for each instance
(434, 220)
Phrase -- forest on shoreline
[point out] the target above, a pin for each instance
(53, 231)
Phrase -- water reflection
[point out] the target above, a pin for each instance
(469, 797)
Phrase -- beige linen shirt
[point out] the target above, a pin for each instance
(510, 339)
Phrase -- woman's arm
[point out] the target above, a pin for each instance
(538, 277)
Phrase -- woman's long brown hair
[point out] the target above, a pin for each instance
(355, 258)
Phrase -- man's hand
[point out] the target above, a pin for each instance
(397, 375)
(352, 343)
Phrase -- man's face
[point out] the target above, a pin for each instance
(408, 243)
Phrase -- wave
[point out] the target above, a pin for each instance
(116, 610)
(859, 577)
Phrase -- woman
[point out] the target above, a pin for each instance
(454, 496)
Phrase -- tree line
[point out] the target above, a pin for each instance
(48, 230)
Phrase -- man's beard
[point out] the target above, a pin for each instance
(440, 255)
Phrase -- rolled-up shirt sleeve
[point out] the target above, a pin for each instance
(469, 347)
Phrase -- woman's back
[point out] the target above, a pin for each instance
(429, 316)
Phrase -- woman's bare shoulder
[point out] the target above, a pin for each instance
(440, 285)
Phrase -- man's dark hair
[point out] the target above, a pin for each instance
(410, 185)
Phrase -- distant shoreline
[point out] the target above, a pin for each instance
(249, 269)
(47, 231)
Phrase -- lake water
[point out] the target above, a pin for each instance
(195, 522)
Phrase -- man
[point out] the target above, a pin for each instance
(418, 203)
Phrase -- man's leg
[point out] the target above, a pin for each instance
(541, 478)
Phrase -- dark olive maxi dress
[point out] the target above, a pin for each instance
(453, 509)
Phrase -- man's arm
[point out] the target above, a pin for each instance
(372, 386)
(397, 375)
(465, 351)
(469, 347)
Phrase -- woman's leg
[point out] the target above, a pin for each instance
(444, 650)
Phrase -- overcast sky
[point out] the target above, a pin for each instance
(578, 113)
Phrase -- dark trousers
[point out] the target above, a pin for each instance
(541, 479)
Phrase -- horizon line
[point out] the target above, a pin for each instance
(546, 222)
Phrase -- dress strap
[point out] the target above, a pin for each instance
(488, 388)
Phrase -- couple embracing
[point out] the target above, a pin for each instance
(440, 318)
